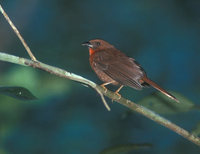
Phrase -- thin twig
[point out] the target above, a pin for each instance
(103, 99)
(131, 105)
(17, 33)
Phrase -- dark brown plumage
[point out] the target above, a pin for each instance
(114, 67)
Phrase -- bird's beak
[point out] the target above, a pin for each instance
(88, 44)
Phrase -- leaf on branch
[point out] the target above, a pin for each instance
(161, 104)
(17, 92)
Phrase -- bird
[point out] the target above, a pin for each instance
(113, 67)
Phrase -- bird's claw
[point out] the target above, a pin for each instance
(119, 96)
(105, 89)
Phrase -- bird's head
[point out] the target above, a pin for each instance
(97, 45)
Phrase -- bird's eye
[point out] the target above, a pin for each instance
(98, 43)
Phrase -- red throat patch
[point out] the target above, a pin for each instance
(91, 51)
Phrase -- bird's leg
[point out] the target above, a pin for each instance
(104, 84)
(117, 91)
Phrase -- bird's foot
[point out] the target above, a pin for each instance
(118, 96)
(117, 92)
(103, 86)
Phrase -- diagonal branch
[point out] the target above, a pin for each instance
(18, 34)
(131, 105)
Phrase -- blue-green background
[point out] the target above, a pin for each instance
(162, 35)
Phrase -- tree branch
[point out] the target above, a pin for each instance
(131, 105)
(17, 33)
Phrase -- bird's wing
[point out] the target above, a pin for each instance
(119, 67)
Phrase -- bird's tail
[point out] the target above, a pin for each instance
(153, 84)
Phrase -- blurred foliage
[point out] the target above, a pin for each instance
(17, 92)
(196, 130)
(42, 85)
(161, 104)
(125, 148)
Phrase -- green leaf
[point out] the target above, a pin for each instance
(23, 76)
(124, 148)
(163, 105)
(17, 92)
